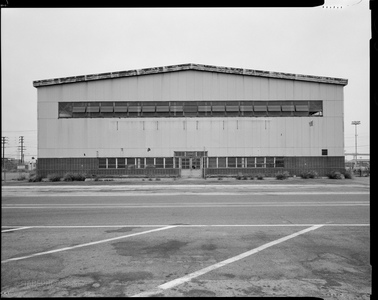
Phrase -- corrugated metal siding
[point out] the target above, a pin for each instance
(190, 85)
(244, 136)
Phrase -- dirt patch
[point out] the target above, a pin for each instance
(199, 293)
(123, 229)
(209, 247)
(163, 250)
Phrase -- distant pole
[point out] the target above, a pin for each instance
(22, 148)
(4, 141)
(355, 123)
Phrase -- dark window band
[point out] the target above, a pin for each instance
(175, 109)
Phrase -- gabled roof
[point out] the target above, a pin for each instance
(190, 66)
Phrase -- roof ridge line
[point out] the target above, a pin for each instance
(189, 66)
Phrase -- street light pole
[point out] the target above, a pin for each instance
(355, 123)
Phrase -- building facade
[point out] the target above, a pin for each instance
(190, 120)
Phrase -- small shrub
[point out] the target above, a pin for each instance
(22, 177)
(282, 175)
(157, 179)
(35, 178)
(78, 177)
(245, 178)
(335, 175)
(260, 176)
(68, 177)
(54, 177)
(309, 174)
(348, 175)
(220, 178)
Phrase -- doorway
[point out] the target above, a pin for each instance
(191, 163)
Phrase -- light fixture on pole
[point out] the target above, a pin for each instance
(355, 123)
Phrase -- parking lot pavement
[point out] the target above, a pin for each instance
(327, 262)
(250, 242)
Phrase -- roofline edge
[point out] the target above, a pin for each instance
(189, 66)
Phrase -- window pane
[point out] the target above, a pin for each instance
(159, 162)
(212, 162)
(140, 162)
(121, 163)
(65, 109)
(259, 109)
(232, 162)
(288, 108)
(246, 108)
(274, 108)
(106, 109)
(221, 162)
(270, 162)
(111, 163)
(316, 108)
(260, 162)
(185, 163)
(148, 109)
(169, 162)
(78, 109)
(190, 108)
(177, 109)
(120, 109)
(204, 108)
(162, 109)
(150, 162)
(130, 162)
(279, 162)
(93, 107)
(102, 163)
(177, 162)
(134, 109)
(240, 162)
(251, 162)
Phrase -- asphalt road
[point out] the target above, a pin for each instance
(310, 240)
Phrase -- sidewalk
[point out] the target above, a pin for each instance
(195, 181)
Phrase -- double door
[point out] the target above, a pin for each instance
(191, 167)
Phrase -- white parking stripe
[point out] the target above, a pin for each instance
(178, 281)
(87, 244)
(187, 206)
(185, 225)
(112, 193)
(14, 229)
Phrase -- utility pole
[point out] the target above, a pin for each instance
(22, 148)
(355, 123)
(3, 142)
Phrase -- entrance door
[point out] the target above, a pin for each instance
(191, 167)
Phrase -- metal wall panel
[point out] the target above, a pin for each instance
(230, 136)
(189, 85)
(48, 110)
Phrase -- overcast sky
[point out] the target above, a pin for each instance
(43, 43)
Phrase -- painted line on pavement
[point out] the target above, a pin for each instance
(110, 193)
(178, 281)
(14, 229)
(171, 186)
(187, 203)
(183, 225)
(87, 244)
(186, 206)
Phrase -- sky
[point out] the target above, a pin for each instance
(44, 43)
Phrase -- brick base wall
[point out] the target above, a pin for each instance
(323, 165)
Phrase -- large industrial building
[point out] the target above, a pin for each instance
(190, 120)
